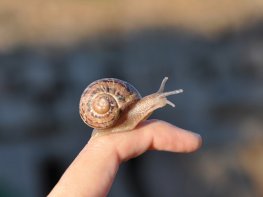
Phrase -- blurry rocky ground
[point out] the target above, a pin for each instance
(50, 50)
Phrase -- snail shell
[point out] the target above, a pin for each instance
(103, 101)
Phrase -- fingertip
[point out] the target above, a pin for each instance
(196, 142)
(172, 138)
(199, 140)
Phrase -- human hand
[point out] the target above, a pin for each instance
(94, 169)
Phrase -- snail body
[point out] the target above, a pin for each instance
(111, 105)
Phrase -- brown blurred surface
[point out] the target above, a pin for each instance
(56, 22)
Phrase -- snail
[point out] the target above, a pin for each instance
(111, 105)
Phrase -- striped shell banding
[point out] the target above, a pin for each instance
(103, 101)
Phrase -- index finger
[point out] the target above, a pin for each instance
(151, 134)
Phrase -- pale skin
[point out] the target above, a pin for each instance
(92, 172)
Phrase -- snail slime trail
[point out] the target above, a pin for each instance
(111, 105)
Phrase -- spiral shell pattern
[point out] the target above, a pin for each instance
(103, 101)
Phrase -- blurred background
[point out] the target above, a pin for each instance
(51, 50)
